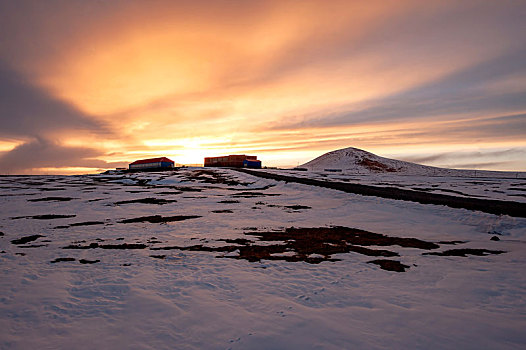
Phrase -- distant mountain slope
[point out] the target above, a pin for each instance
(362, 162)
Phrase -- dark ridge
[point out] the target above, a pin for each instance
(85, 261)
(228, 201)
(222, 211)
(51, 199)
(158, 256)
(108, 246)
(45, 217)
(1, 233)
(21, 254)
(85, 223)
(62, 259)
(497, 207)
(51, 189)
(33, 246)
(495, 238)
(96, 199)
(149, 200)
(159, 219)
(26, 239)
(169, 192)
(389, 265)
(465, 252)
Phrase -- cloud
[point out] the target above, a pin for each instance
(461, 92)
(41, 153)
(448, 156)
(29, 111)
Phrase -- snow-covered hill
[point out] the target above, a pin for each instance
(358, 161)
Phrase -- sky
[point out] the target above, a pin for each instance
(92, 85)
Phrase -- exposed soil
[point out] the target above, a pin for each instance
(249, 194)
(465, 252)
(45, 217)
(213, 177)
(148, 200)
(62, 259)
(159, 219)
(85, 261)
(51, 199)
(85, 223)
(169, 192)
(452, 242)
(311, 245)
(298, 207)
(390, 265)
(375, 166)
(107, 246)
(26, 239)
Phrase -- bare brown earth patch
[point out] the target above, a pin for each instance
(390, 265)
(149, 200)
(250, 194)
(107, 246)
(62, 259)
(375, 166)
(26, 239)
(465, 252)
(213, 177)
(86, 261)
(51, 199)
(159, 219)
(85, 223)
(298, 207)
(45, 217)
(311, 245)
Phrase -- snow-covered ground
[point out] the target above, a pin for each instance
(170, 260)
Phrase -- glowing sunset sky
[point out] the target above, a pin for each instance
(90, 85)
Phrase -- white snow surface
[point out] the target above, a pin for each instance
(209, 300)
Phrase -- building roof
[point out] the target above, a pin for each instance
(153, 160)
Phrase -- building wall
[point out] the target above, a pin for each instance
(152, 165)
(233, 161)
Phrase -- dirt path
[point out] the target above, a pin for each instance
(498, 207)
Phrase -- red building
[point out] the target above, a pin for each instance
(233, 161)
(152, 163)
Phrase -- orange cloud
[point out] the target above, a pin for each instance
(280, 78)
